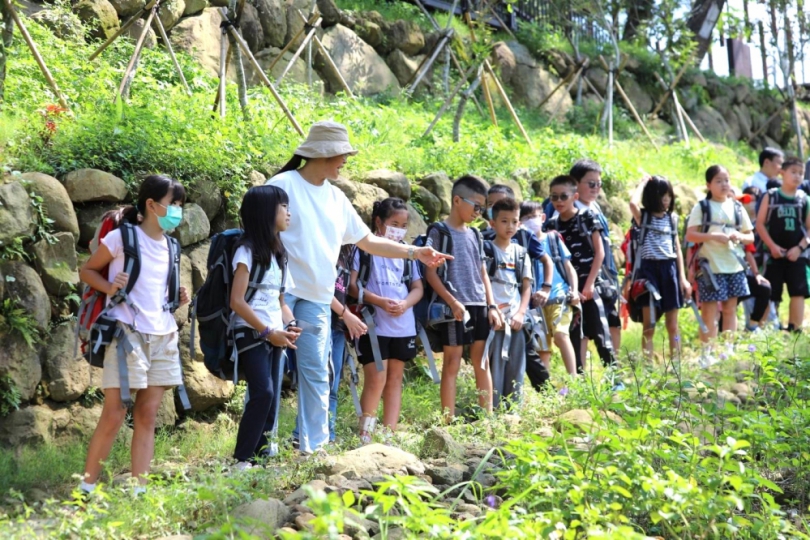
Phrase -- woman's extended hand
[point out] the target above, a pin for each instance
(355, 326)
(430, 257)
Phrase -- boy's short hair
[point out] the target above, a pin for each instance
(768, 153)
(564, 180)
(792, 161)
(754, 191)
(501, 188)
(469, 184)
(528, 208)
(583, 167)
(507, 204)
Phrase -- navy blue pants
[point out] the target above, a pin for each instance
(261, 410)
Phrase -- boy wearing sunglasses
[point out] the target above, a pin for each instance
(467, 293)
(581, 231)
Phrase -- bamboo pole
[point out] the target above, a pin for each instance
(488, 99)
(123, 29)
(223, 68)
(505, 98)
(328, 58)
(592, 88)
(630, 106)
(764, 126)
(307, 41)
(426, 64)
(157, 22)
(138, 46)
(691, 124)
(246, 51)
(556, 111)
(448, 101)
(670, 89)
(314, 17)
(564, 81)
(38, 57)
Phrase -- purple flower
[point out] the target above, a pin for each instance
(491, 501)
(752, 348)
(723, 356)
(677, 338)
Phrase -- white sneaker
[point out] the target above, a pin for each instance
(243, 466)
(707, 360)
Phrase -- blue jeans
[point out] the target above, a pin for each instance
(262, 368)
(312, 359)
(335, 373)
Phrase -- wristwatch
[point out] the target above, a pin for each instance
(545, 286)
(411, 252)
(492, 306)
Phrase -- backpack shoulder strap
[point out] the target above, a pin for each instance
(283, 287)
(480, 239)
(706, 212)
(490, 257)
(524, 238)
(674, 225)
(364, 270)
(132, 255)
(174, 275)
(520, 256)
(738, 210)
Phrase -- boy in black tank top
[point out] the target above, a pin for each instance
(782, 223)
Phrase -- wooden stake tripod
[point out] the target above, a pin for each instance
(35, 52)
(153, 7)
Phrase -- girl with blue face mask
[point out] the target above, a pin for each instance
(145, 321)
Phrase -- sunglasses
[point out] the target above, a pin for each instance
(477, 208)
(562, 197)
(594, 185)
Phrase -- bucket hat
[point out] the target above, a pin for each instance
(326, 140)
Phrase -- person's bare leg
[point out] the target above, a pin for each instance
(447, 390)
(648, 335)
(373, 384)
(583, 347)
(483, 377)
(144, 416)
(545, 357)
(563, 342)
(392, 394)
(109, 424)
(671, 320)
(729, 308)
(616, 338)
(708, 311)
(796, 316)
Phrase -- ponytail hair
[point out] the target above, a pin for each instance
(153, 187)
(293, 165)
(382, 210)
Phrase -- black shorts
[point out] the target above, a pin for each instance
(592, 327)
(782, 271)
(611, 301)
(663, 274)
(396, 348)
(454, 333)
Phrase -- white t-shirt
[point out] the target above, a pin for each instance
(265, 302)
(322, 220)
(385, 280)
(507, 286)
(151, 289)
(722, 256)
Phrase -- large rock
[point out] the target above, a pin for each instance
(198, 256)
(710, 122)
(57, 264)
(55, 201)
(252, 29)
(261, 517)
(194, 227)
(186, 280)
(89, 219)
(370, 32)
(64, 24)
(204, 390)
(134, 32)
(362, 196)
(585, 420)
(294, 22)
(194, 7)
(273, 20)
(20, 363)
(98, 15)
(529, 82)
(297, 73)
(170, 12)
(364, 70)
(206, 195)
(199, 36)
(68, 377)
(440, 444)
(406, 36)
(16, 215)
(442, 187)
(24, 286)
(329, 12)
(403, 66)
(92, 185)
(685, 199)
(126, 8)
(27, 426)
(416, 224)
(430, 203)
(393, 182)
(641, 100)
(167, 412)
(374, 460)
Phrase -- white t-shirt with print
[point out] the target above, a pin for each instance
(265, 302)
(151, 290)
(322, 219)
(506, 284)
(385, 279)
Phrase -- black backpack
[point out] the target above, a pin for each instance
(521, 237)
(211, 307)
(494, 262)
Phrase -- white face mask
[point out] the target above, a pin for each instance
(534, 224)
(395, 234)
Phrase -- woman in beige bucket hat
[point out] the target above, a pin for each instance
(323, 220)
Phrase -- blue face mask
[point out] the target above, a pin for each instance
(488, 214)
(172, 219)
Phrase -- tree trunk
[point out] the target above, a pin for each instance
(638, 14)
(702, 20)
(6, 33)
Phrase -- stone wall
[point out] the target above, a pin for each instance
(58, 389)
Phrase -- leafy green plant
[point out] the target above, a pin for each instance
(16, 319)
(10, 397)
